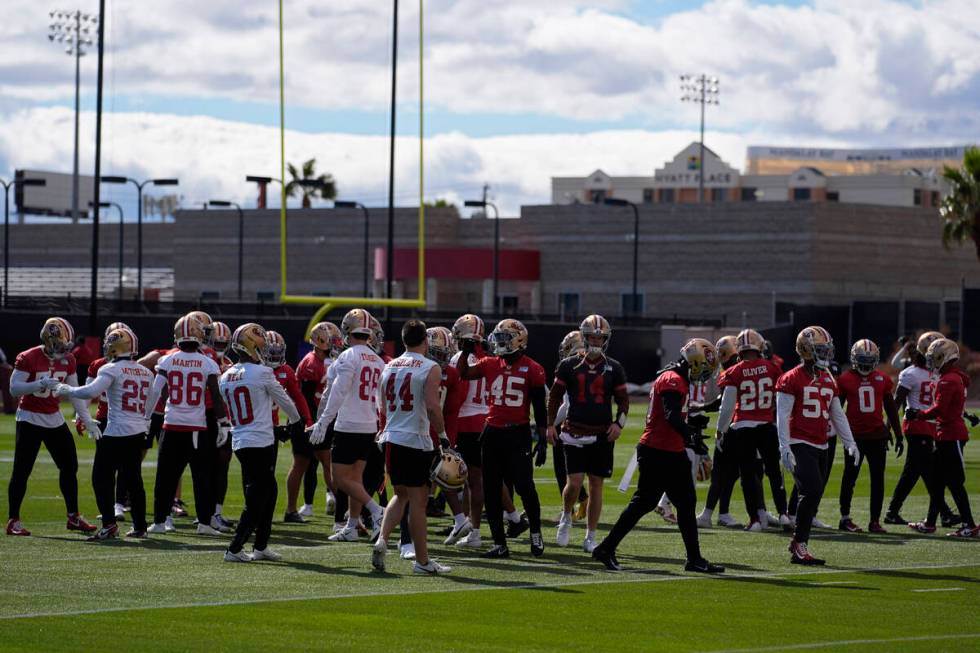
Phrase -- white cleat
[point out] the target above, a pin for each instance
(588, 545)
(306, 510)
(726, 520)
(432, 568)
(266, 554)
(816, 523)
(331, 503)
(120, 511)
(564, 530)
(471, 541)
(345, 535)
(157, 529)
(378, 552)
(459, 532)
(773, 520)
(407, 551)
(241, 556)
(704, 519)
(755, 527)
(219, 525)
(204, 529)
(786, 522)
(168, 524)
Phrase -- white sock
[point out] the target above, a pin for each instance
(383, 542)
(763, 517)
(217, 509)
(120, 507)
(566, 516)
(459, 519)
(352, 522)
(590, 534)
(373, 506)
(330, 496)
(664, 502)
(842, 517)
(513, 516)
(707, 512)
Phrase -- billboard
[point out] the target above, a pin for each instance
(54, 198)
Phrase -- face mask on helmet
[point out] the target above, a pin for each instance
(275, 354)
(823, 355)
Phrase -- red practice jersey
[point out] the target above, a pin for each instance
(810, 420)
(313, 369)
(93, 371)
(473, 412)
(162, 404)
(287, 379)
(755, 384)
(37, 366)
(659, 434)
(510, 388)
(948, 407)
(865, 396)
(452, 393)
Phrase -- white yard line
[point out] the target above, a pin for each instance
(941, 589)
(848, 642)
(605, 579)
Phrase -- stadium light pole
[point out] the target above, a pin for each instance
(106, 205)
(6, 227)
(702, 90)
(73, 29)
(496, 246)
(615, 201)
(114, 179)
(340, 204)
(241, 236)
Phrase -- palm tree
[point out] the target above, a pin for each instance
(960, 209)
(309, 184)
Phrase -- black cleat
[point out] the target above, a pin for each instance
(702, 566)
(514, 529)
(498, 551)
(951, 520)
(895, 518)
(607, 558)
(537, 545)
(293, 518)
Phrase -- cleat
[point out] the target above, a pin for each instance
(345, 535)
(157, 529)
(241, 556)
(754, 527)
(471, 541)
(498, 551)
(922, 527)
(376, 524)
(119, 510)
(564, 530)
(458, 532)
(293, 518)
(204, 529)
(792, 520)
(875, 527)
(266, 554)
(951, 520)
(816, 523)
(537, 545)
(847, 525)
(895, 518)
(702, 566)
(786, 523)
(77, 523)
(221, 525)
(772, 520)
(704, 519)
(16, 527)
(331, 504)
(168, 524)
(726, 520)
(515, 528)
(407, 551)
(667, 513)
(135, 534)
(801, 555)
(104, 533)
(378, 552)
(432, 568)
(581, 510)
(607, 558)
(965, 531)
(306, 510)
(588, 545)
(178, 509)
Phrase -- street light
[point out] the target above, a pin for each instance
(241, 236)
(702, 90)
(496, 246)
(339, 204)
(74, 29)
(106, 205)
(615, 201)
(113, 179)
(6, 226)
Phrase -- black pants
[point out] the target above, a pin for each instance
(310, 480)
(118, 459)
(810, 475)
(260, 489)
(561, 474)
(660, 471)
(746, 450)
(175, 452)
(875, 451)
(918, 464)
(766, 442)
(949, 472)
(28, 440)
(828, 464)
(724, 474)
(507, 455)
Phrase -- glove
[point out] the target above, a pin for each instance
(911, 413)
(788, 459)
(318, 432)
(720, 442)
(972, 418)
(899, 446)
(444, 441)
(695, 442)
(467, 346)
(49, 383)
(852, 451)
(540, 452)
(224, 432)
(699, 421)
(282, 433)
(61, 390)
(93, 429)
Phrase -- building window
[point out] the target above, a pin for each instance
(917, 197)
(934, 196)
(801, 194)
(749, 194)
(508, 303)
(631, 304)
(719, 194)
(833, 196)
(568, 305)
(648, 196)
(667, 195)
(598, 196)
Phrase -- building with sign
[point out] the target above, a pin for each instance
(774, 175)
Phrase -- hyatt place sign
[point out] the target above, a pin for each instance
(683, 179)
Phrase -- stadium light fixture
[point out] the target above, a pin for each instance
(342, 204)
(700, 89)
(483, 204)
(241, 236)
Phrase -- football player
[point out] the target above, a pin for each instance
(37, 372)
(352, 380)
(275, 359)
(571, 345)
(328, 343)
(949, 470)
(119, 447)
(516, 384)
(864, 391)
(770, 355)
(589, 432)
(806, 402)
(218, 345)
(916, 387)
(747, 428)
(408, 393)
(662, 461)
(188, 375)
(250, 391)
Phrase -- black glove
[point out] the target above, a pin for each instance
(698, 422)
(467, 346)
(540, 451)
(444, 442)
(972, 418)
(695, 442)
(282, 433)
(911, 413)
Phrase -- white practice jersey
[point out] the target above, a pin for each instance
(125, 384)
(921, 384)
(476, 391)
(352, 381)
(186, 374)
(251, 392)
(401, 395)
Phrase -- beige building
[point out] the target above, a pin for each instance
(834, 178)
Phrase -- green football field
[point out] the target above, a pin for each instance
(896, 592)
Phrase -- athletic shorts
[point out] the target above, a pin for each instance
(468, 446)
(348, 448)
(595, 459)
(156, 428)
(408, 466)
(300, 440)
